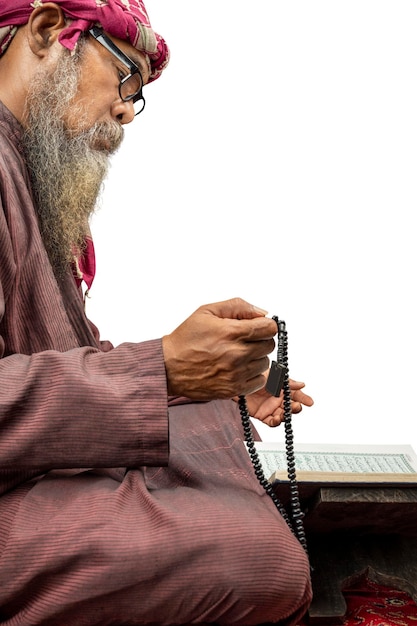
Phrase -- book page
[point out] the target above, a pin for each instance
(339, 458)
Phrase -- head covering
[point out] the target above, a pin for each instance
(125, 19)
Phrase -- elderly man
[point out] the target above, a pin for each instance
(127, 496)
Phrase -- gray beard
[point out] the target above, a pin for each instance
(66, 170)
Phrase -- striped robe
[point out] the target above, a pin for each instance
(118, 506)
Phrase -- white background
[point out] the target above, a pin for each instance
(276, 160)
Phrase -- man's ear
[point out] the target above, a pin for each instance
(45, 24)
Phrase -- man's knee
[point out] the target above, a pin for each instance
(265, 579)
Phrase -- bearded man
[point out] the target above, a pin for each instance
(127, 495)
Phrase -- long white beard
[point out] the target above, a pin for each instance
(66, 168)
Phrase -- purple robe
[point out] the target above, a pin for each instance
(117, 507)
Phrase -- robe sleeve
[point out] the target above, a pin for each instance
(84, 408)
(73, 407)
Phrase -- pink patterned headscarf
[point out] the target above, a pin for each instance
(125, 19)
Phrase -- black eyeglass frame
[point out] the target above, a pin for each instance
(105, 41)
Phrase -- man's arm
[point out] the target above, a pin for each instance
(84, 408)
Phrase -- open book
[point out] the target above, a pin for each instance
(341, 463)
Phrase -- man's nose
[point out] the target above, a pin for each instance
(122, 111)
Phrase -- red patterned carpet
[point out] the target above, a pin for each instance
(372, 604)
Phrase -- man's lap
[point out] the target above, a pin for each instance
(196, 541)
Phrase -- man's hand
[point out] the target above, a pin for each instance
(220, 351)
(270, 410)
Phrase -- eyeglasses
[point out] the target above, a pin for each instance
(130, 87)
